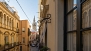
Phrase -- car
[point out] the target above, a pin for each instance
(33, 45)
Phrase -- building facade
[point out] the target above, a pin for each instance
(69, 29)
(9, 28)
(24, 35)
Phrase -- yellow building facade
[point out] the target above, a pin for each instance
(9, 28)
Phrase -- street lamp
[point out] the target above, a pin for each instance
(47, 19)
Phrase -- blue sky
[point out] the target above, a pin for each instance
(29, 6)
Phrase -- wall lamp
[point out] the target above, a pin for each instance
(47, 18)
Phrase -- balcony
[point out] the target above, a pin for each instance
(17, 43)
(8, 46)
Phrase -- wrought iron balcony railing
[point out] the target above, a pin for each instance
(17, 43)
(7, 46)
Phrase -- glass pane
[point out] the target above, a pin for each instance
(85, 37)
(71, 4)
(89, 40)
(0, 17)
(71, 41)
(86, 20)
(72, 20)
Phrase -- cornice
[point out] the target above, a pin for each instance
(6, 10)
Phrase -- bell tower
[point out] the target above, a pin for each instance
(34, 25)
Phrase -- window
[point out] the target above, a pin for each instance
(0, 17)
(71, 4)
(71, 17)
(12, 39)
(71, 41)
(72, 20)
(23, 39)
(4, 19)
(10, 23)
(28, 31)
(23, 29)
(7, 20)
(86, 39)
(6, 39)
(86, 24)
(17, 25)
(77, 24)
(85, 21)
(17, 39)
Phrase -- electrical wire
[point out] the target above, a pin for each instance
(23, 10)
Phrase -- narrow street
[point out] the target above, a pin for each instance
(34, 48)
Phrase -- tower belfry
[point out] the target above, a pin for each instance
(34, 25)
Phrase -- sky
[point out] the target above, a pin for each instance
(30, 7)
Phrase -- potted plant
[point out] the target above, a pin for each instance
(45, 48)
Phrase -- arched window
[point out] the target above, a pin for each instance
(4, 19)
(7, 20)
(0, 17)
(10, 23)
(12, 40)
(84, 20)
(17, 25)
